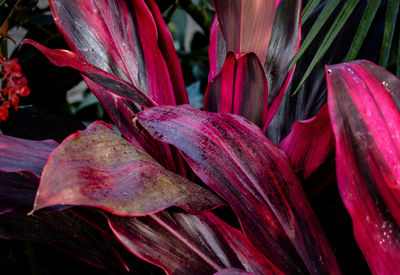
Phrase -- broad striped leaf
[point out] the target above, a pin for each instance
(98, 168)
(233, 157)
(240, 88)
(182, 243)
(121, 38)
(364, 105)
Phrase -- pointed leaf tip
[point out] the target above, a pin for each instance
(98, 168)
(111, 83)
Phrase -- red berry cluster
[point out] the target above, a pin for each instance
(15, 85)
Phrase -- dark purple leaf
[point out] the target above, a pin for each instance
(96, 167)
(17, 192)
(283, 46)
(106, 80)
(310, 143)
(240, 88)
(18, 155)
(246, 25)
(232, 271)
(234, 158)
(364, 104)
(120, 38)
(65, 231)
(182, 243)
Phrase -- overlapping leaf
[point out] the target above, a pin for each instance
(182, 243)
(246, 25)
(282, 47)
(234, 158)
(364, 104)
(121, 38)
(310, 143)
(96, 167)
(18, 154)
(312, 95)
(240, 88)
(284, 43)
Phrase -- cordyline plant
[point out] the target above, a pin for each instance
(157, 183)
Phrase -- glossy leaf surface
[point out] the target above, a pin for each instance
(364, 104)
(240, 88)
(18, 154)
(106, 80)
(96, 167)
(246, 25)
(285, 39)
(121, 38)
(234, 158)
(284, 43)
(189, 244)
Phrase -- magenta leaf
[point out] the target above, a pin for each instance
(246, 25)
(168, 51)
(106, 80)
(364, 104)
(18, 154)
(240, 88)
(121, 38)
(233, 157)
(182, 243)
(98, 168)
(217, 49)
(310, 143)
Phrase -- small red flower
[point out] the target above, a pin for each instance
(16, 85)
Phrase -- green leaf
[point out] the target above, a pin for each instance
(390, 23)
(398, 60)
(319, 23)
(308, 9)
(337, 25)
(363, 28)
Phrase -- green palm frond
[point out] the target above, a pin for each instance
(345, 10)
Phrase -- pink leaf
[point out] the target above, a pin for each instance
(98, 168)
(310, 143)
(233, 157)
(182, 243)
(121, 38)
(240, 88)
(364, 104)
